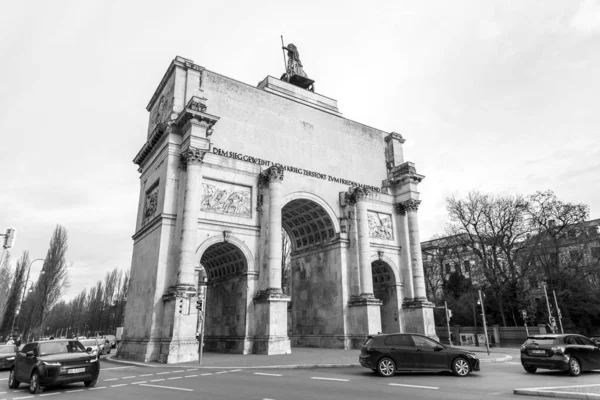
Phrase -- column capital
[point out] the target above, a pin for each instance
(394, 136)
(408, 205)
(271, 174)
(356, 194)
(195, 110)
(192, 156)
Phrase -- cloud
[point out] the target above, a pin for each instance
(587, 18)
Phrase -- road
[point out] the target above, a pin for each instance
(495, 380)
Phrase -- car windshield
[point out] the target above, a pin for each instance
(8, 349)
(88, 343)
(541, 341)
(57, 347)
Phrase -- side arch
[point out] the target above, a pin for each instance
(221, 239)
(309, 196)
(395, 270)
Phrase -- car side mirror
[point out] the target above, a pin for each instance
(439, 348)
(89, 349)
(29, 354)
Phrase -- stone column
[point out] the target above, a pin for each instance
(191, 160)
(364, 247)
(275, 178)
(416, 259)
(270, 305)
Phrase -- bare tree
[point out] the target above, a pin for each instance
(14, 295)
(5, 281)
(54, 281)
(495, 228)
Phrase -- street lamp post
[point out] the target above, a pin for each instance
(24, 291)
(487, 345)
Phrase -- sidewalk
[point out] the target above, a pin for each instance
(301, 357)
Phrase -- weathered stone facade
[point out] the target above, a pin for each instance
(225, 167)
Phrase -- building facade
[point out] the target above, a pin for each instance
(225, 167)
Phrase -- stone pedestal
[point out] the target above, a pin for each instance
(270, 310)
(419, 317)
(364, 318)
(183, 345)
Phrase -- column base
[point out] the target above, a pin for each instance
(418, 318)
(365, 317)
(270, 312)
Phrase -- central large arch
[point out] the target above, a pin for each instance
(314, 317)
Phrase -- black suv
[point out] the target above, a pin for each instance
(54, 362)
(388, 353)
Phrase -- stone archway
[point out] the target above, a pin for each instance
(314, 314)
(226, 268)
(387, 289)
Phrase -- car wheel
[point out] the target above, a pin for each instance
(461, 367)
(34, 383)
(531, 370)
(12, 382)
(90, 383)
(386, 367)
(574, 367)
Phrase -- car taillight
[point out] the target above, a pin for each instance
(558, 350)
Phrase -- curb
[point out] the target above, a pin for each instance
(496, 360)
(284, 366)
(555, 393)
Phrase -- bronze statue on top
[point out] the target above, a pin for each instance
(294, 72)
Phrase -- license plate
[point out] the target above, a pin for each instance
(76, 371)
(538, 351)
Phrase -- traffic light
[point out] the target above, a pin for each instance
(9, 238)
(199, 304)
(449, 314)
(180, 306)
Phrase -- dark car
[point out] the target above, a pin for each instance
(54, 362)
(595, 339)
(565, 352)
(388, 353)
(7, 355)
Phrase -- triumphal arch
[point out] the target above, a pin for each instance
(224, 168)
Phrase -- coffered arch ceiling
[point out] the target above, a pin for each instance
(307, 223)
(382, 273)
(223, 261)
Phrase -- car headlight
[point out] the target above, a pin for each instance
(51, 364)
(10, 358)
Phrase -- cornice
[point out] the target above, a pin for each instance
(152, 225)
(157, 134)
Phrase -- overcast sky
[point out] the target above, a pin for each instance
(500, 96)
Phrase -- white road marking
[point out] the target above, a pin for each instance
(95, 388)
(169, 387)
(49, 394)
(106, 369)
(329, 379)
(176, 377)
(128, 377)
(147, 375)
(414, 386)
(137, 383)
(192, 369)
(178, 371)
(235, 370)
(190, 376)
(122, 384)
(156, 380)
(265, 374)
(25, 397)
(73, 391)
(221, 372)
(512, 362)
(559, 387)
(162, 373)
(208, 373)
(111, 379)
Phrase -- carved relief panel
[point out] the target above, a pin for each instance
(163, 106)
(380, 225)
(150, 204)
(226, 198)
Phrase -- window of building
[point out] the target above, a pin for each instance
(448, 268)
(533, 282)
(467, 266)
(572, 234)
